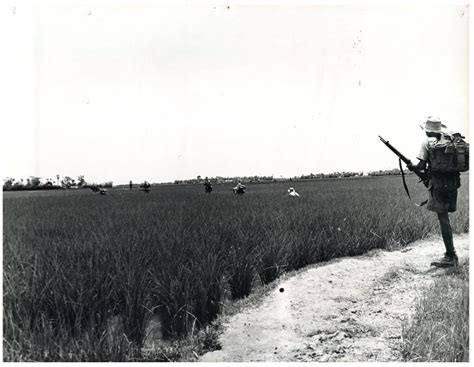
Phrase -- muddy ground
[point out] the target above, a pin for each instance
(349, 309)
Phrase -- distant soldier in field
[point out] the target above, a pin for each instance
(130, 185)
(207, 186)
(443, 184)
(100, 190)
(293, 193)
(239, 189)
(146, 187)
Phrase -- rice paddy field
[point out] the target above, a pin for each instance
(74, 260)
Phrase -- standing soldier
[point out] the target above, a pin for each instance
(445, 179)
(207, 186)
(130, 184)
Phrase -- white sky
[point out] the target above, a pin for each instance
(131, 90)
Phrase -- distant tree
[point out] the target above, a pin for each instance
(8, 183)
(81, 181)
(18, 186)
(35, 181)
(67, 182)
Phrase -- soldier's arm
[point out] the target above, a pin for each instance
(423, 156)
(420, 166)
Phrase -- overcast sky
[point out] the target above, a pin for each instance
(135, 91)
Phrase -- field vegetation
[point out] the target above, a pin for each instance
(439, 332)
(84, 274)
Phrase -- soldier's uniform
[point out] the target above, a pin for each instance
(442, 189)
(293, 193)
(239, 189)
(207, 186)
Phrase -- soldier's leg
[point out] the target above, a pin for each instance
(447, 233)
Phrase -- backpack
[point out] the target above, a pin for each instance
(449, 155)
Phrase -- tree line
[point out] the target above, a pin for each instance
(311, 176)
(67, 182)
(36, 183)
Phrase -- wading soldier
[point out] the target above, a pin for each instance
(239, 189)
(444, 179)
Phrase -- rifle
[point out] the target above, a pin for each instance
(423, 176)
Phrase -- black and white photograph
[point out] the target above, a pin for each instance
(235, 181)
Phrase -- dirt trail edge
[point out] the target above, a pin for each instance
(349, 309)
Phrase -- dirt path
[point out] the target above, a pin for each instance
(349, 309)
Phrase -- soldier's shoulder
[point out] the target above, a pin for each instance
(430, 141)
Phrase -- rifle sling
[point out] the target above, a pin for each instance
(405, 185)
(403, 177)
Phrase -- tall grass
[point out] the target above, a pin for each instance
(439, 331)
(84, 273)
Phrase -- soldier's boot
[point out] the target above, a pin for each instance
(446, 261)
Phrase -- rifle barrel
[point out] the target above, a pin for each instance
(424, 177)
(395, 150)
